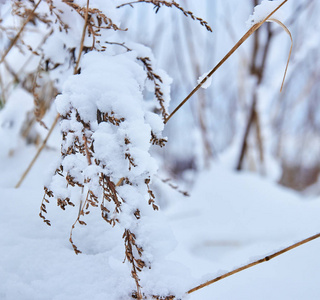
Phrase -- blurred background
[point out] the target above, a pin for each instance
(242, 119)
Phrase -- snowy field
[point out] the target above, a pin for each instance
(229, 220)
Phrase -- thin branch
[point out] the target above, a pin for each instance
(260, 261)
(38, 152)
(19, 33)
(235, 47)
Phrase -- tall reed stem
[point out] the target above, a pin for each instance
(260, 261)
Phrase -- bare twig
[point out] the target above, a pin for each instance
(19, 33)
(260, 261)
(223, 60)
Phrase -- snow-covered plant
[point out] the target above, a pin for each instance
(109, 123)
(107, 132)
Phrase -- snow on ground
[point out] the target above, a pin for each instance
(229, 220)
(233, 219)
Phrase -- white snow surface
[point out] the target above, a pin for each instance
(262, 10)
(229, 220)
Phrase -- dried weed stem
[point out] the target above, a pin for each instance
(38, 152)
(290, 35)
(15, 39)
(159, 3)
(260, 261)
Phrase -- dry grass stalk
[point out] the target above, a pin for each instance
(156, 297)
(158, 3)
(15, 39)
(175, 187)
(260, 261)
(16, 77)
(38, 152)
(137, 263)
(225, 58)
(289, 33)
(83, 210)
(157, 81)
